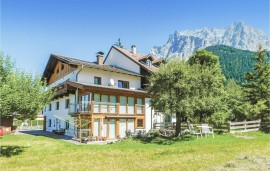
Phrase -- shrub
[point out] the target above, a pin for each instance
(218, 118)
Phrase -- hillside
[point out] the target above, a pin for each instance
(234, 62)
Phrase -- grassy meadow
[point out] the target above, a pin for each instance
(224, 152)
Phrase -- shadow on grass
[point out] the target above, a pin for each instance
(163, 140)
(9, 151)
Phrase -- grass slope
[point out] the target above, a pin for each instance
(42, 153)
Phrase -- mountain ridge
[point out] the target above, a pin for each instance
(238, 35)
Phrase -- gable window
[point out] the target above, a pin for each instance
(50, 123)
(50, 107)
(67, 103)
(123, 84)
(57, 106)
(97, 80)
(62, 67)
(148, 62)
(140, 123)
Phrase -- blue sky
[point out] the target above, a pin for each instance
(33, 29)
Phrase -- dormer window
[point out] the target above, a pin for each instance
(148, 62)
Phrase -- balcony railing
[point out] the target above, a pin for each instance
(81, 107)
(104, 107)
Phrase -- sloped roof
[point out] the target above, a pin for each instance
(101, 87)
(76, 62)
(137, 57)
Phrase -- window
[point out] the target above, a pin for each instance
(139, 106)
(67, 103)
(97, 80)
(123, 84)
(45, 108)
(57, 106)
(123, 105)
(62, 67)
(50, 123)
(67, 124)
(140, 123)
(148, 62)
(50, 107)
(130, 105)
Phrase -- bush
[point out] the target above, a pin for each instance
(218, 118)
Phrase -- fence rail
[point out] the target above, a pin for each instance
(231, 127)
(245, 126)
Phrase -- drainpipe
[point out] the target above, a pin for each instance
(78, 73)
(151, 118)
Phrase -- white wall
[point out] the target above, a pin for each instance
(87, 76)
(61, 115)
(118, 59)
(148, 115)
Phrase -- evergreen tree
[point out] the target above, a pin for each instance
(257, 92)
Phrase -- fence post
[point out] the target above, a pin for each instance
(245, 122)
(260, 124)
(229, 126)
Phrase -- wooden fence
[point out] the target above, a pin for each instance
(231, 127)
(245, 126)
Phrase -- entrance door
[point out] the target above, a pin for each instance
(123, 127)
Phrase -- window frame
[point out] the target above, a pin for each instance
(50, 123)
(139, 126)
(123, 83)
(67, 124)
(67, 104)
(99, 80)
(50, 107)
(57, 105)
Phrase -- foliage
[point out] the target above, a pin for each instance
(170, 87)
(234, 62)
(218, 118)
(192, 89)
(235, 100)
(257, 92)
(210, 95)
(22, 94)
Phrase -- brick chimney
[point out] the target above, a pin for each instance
(100, 58)
(133, 49)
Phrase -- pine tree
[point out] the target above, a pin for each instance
(257, 92)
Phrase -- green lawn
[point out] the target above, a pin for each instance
(42, 153)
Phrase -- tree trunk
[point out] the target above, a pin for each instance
(178, 124)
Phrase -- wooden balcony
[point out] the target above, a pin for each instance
(88, 108)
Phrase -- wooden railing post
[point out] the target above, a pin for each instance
(245, 124)
(229, 126)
